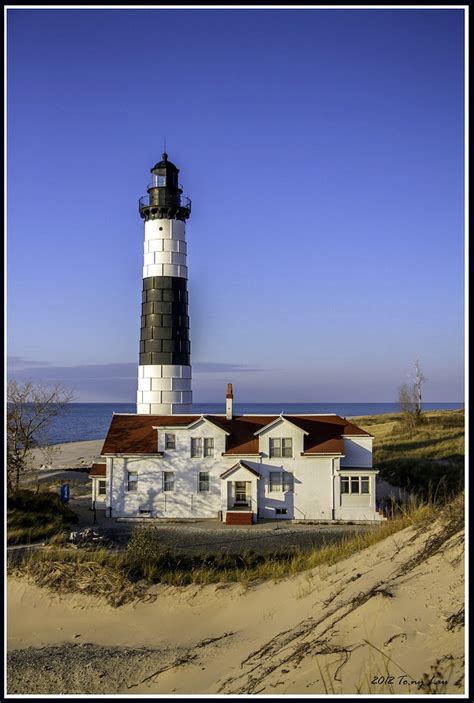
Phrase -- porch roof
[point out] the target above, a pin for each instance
(98, 470)
(240, 465)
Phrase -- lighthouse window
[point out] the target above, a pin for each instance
(159, 179)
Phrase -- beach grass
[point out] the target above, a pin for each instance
(124, 576)
(36, 515)
(426, 459)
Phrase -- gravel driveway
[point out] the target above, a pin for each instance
(201, 537)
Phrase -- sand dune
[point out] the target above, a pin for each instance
(392, 610)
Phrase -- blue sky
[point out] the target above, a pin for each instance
(323, 151)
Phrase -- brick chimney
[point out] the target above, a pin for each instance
(229, 397)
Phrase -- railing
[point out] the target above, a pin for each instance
(144, 201)
(157, 185)
(295, 508)
(244, 508)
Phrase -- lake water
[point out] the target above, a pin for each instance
(82, 421)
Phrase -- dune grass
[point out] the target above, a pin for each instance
(124, 576)
(32, 516)
(427, 459)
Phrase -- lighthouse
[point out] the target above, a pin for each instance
(164, 371)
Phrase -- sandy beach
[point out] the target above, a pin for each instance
(392, 610)
(69, 455)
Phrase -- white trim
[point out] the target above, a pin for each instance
(327, 454)
(157, 455)
(237, 467)
(357, 436)
(170, 427)
(360, 470)
(242, 456)
(280, 418)
(203, 418)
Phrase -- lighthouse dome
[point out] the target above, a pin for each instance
(164, 164)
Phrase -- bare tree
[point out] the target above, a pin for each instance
(30, 410)
(420, 379)
(407, 406)
(410, 397)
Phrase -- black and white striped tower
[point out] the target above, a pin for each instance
(164, 372)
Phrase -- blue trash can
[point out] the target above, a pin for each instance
(65, 492)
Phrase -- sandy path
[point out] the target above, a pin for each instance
(384, 611)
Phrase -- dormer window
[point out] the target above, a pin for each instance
(202, 447)
(209, 446)
(281, 447)
(196, 447)
(170, 441)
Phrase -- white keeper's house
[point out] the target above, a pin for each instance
(236, 468)
(167, 462)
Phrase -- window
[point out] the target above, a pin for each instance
(287, 447)
(287, 481)
(209, 446)
(274, 483)
(170, 441)
(281, 446)
(203, 483)
(355, 484)
(159, 179)
(168, 480)
(281, 511)
(196, 446)
(102, 489)
(132, 481)
(364, 484)
(280, 481)
(275, 447)
(241, 492)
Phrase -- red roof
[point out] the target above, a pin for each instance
(98, 470)
(134, 434)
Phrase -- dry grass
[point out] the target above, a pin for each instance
(33, 516)
(123, 576)
(427, 459)
(65, 570)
